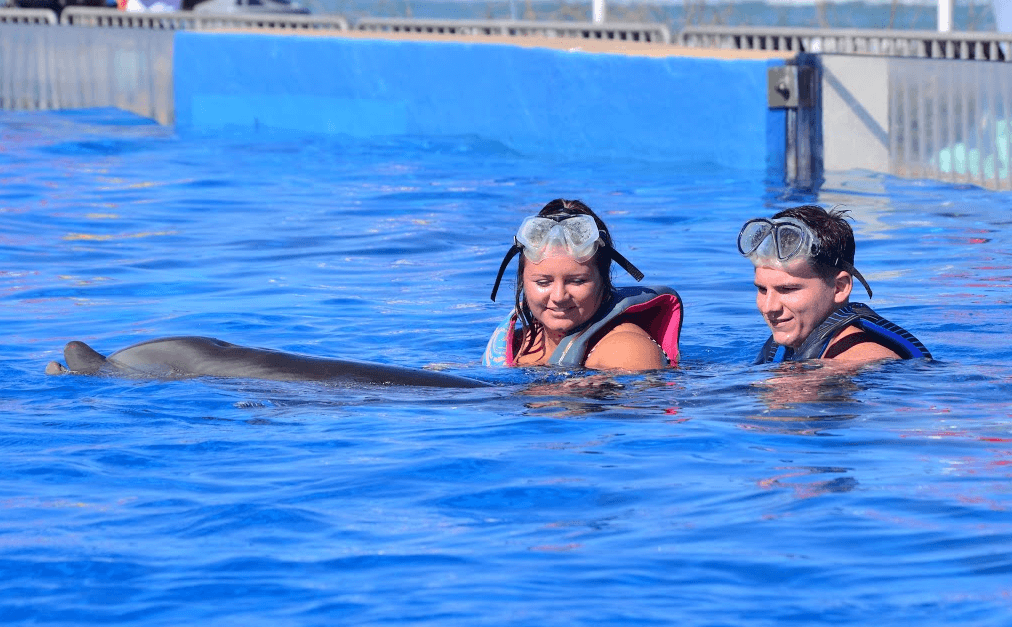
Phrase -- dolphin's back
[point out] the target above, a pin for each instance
(192, 356)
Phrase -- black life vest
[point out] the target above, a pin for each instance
(892, 336)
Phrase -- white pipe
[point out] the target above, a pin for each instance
(944, 16)
(599, 11)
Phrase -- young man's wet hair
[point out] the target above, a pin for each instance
(836, 238)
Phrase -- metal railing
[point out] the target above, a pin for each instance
(951, 121)
(52, 66)
(980, 46)
(189, 20)
(28, 16)
(648, 33)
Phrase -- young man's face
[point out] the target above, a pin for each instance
(794, 299)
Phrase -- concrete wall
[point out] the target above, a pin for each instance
(534, 100)
(939, 119)
(855, 112)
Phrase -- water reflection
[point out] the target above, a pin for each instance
(790, 384)
(623, 396)
(577, 396)
(802, 397)
(808, 489)
(597, 386)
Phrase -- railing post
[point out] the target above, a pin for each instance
(945, 16)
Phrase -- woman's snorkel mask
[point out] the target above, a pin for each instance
(564, 234)
(774, 243)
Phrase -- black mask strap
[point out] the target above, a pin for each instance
(617, 257)
(851, 269)
(844, 265)
(502, 269)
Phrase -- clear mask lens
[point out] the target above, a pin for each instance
(766, 241)
(789, 240)
(577, 237)
(752, 235)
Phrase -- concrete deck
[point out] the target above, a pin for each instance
(571, 44)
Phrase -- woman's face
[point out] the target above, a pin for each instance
(562, 293)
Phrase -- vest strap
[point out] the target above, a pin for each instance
(889, 334)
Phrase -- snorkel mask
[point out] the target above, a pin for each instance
(564, 234)
(776, 242)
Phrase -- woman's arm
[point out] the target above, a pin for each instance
(626, 347)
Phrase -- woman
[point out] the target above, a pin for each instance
(569, 312)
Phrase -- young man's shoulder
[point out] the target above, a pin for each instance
(853, 344)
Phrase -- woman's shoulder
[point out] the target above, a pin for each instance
(626, 347)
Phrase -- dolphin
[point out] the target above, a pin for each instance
(190, 356)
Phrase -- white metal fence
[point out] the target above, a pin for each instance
(62, 67)
(951, 121)
(28, 16)
(649, 33)
(979, 46)
(189, 20)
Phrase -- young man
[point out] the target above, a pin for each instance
(804, 273)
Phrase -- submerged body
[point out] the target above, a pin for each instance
(183, 357)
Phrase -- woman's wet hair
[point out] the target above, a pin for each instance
(836, 237)
(560, 206)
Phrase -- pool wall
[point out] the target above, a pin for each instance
(945, 119)
(558, 102)
(533, 100)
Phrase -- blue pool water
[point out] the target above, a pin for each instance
(714, 494)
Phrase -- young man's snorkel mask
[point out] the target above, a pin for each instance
(564, 234)
(774, 243)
